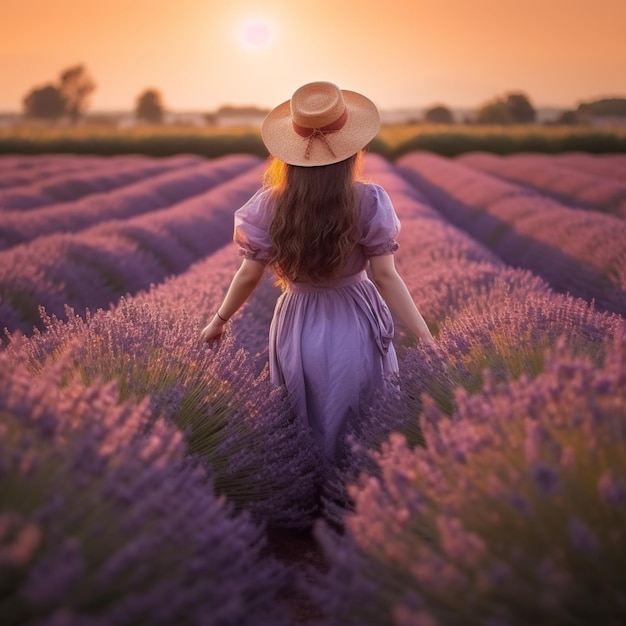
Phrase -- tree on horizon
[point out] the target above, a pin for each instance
(439, 114)
(149, 106)
(68, 97)
(44, 102)
(513, 108)
(76, 85)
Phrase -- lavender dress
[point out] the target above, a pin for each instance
(330, 346)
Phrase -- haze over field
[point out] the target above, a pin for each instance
(202, 54)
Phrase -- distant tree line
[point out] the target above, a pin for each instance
(516, 108)
(149, 106)
(598, 109)
(513, 108)
(68, 98)
(439, 114)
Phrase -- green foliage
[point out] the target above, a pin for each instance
(45, 102)
(439, 114)
(606, 107)
(68, 97)
(391, 143)
(76, 86)
(494, 113)
(514, 108)
(520, 108)
(210, 146)
(568, 117)
(452, 144)
(150, 107)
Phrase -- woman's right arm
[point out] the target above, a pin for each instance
(244, 282)
(395, 293)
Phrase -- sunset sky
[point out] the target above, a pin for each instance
(202, 54)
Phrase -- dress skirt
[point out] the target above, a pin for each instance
(331, 347)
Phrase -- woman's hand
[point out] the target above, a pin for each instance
(212, 332)
(244, 282)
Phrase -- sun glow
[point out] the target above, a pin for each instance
(256, 34)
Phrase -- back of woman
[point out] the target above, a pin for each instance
(319, 228)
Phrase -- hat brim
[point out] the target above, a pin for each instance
(282, 141)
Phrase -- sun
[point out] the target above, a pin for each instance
(256, 33)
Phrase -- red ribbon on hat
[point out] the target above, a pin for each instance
(312, 133)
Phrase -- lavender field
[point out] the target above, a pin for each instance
(146, 479)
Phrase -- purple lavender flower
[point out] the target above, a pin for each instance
(519, 225)
(158, 186)
(492, 322)
(432, 523)
(94, 268)
(609, 166)
(612, 488)
(581, 189)
(262, 458)
(115, 523)
(85, 178)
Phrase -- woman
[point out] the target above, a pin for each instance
(319, 228)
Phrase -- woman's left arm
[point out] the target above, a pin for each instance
(244, 282)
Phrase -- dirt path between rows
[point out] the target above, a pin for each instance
(298, 548)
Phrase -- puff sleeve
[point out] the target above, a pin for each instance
(380, 224)
(251, 228)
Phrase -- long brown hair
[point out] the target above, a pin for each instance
(313, 227)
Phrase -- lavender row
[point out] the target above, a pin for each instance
(486, 312)
(577, 252)
(449, 273)
(490, 284)
(105, 518)
(94, 268)
(611, 166)
(490, 321)
(513, 512)
(454, 250)
(262, 456)
(22, 170)
(155, 191)
(481, 332)
(581, 189)
(64, 187)
(457, 282)
(504, 330)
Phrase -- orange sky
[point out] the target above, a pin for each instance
(399, 53)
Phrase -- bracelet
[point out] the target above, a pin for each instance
(218, 315)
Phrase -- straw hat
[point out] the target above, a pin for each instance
(320, 125)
